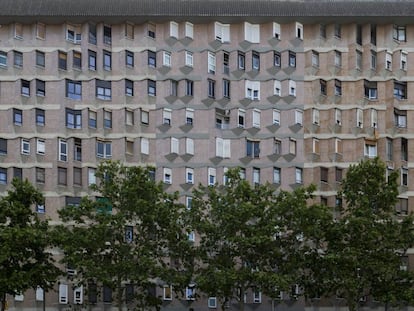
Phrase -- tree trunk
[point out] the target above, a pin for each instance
(3, 302)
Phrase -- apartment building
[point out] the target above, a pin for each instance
(293, 92)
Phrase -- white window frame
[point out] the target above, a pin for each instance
(252, 89)
(190, 292)
(167, 175)
(39, 294)
(315, 116)
(359, 118)
(63, 294)
(298, 175)
(277, 175)
(107, 152)
(403, 60)
(299, 30)
(241, 118)
(256, 175)
(167, 295)
(315, 146)
(63, 156)
(189, 116)
(222, 32)
(77, 34)
(257, 296)
(256, 115)
(374, 118)
(78, 295)
(175, 145)
(167, 116)
(212, 302)
(276, 30)
(189, 58)
(166, 58)
(252, 32)
(174, 29)
(276, 116)
(189, 30)
(338, 146)
(189, 146)
(292, 88)
(212, 176)
(337, 58)
(40, 146)
(223, 147)
(144, 145)
(277, 88)
(370, 150)
(338, 116)
(211, 62)
(91, 176)
(388, 61)
(299, 117)
(315, 59)
(189, 175)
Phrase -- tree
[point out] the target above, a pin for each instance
(25, 261)
(249, 239)
(365, 246)
(121, 239)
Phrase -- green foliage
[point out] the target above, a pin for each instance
(96, 237)
(24, 242)
(365, 246)
(252, 238)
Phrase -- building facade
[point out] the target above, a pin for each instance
(293, 92)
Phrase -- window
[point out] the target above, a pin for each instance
(226, 88)
(255, 60)
(189, 58)
(77, 149)
(62, 60)
(400, 118)
(277, 59)
(18, 31)
(40, 59)
(144, 117)
(151, 30)
(211, 176)
(252, 90)
(74, 89)
(358, 34)
(389, 149)
(189, 30)
(373, 33)
(63, 293)
(257, 296)
(252, 148)
(189, 88)
(315, 146)
(252, 32)
(92, 33)
(175, 145)
(144, 145)
(77, 176)
(315, 59)
(241, 118)
(40, 117)
(73, 118)
(91, 60)
(211, 64)
(402, 209)
(129, 87)
(166, 116)
(18, 59)
(324, 174)
(315, 116)
(404, 149)
(167, 59)
(129, 59)
(403, 60)
(107, 119)
(337, 31)
(3, 146)
(91, 176)
(298, 175)
(167, 175)
(338, 87)
(103, 149)
(276, 30)
(399, 33)
(40, 87)
(211, 92)
(256, 118)
(107, 34)
(189, 175)
(292, 59)
(152, 59)
(40, 175)
(359, 118)
(40, 146)
(103, 89)
(77, 60)
(3, 176)
(92, 119)
(189, 146)
(25, 88)
(277, 88)
(299, 117)
(374, 118)
(63, 150)
(338, 59)
(358, 63)
(129, 31)
(241, 61)
(173, 88)
(107, 60)
(276, 116)
(299, 30)
(276, 175)
(400, 90)
(404, 176)
(189, 116)
(212, 302)
(256, 175)
(3, 59)
(190, 292)
(62, 176)
(277, 146)
(292, 88)
(338, 174)
(370, 89)
(292, 146)
(18, 173)
(17, 117)
(73, 33)
(338, 146)
(222, 32)
(174, 29)
(25, 146)
(223, 149)
(370, 149)
(152, 88)
(226, 63)
(322, 30)
(338, 116)
(388, 60)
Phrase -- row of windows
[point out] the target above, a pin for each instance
(255, 172)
